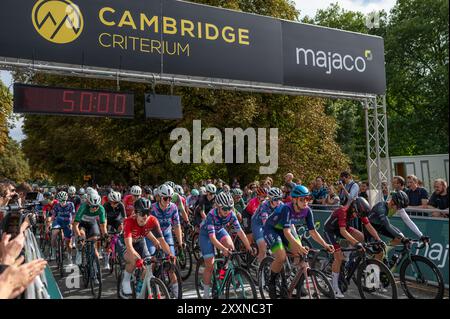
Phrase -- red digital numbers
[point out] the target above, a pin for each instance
(68, 102)
(93, 102)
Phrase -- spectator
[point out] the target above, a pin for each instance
(332, 198)
(319, 193)
(385, 190)
(398, 184)
(363, 187)
(297, 181)
(418, 196)
(288, 178)
(439, 199)
(348, 189)
(15, 276)
(7, 192)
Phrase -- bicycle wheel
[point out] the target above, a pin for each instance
(322, 261)
(318, 286)
(240, 285)
(195, 247)
(264, 276)
(375, 280)
(199, 270)
(157, 290)
(421, 278)
(164, 274)
(184, 262)
(119, 265)
(95, 278)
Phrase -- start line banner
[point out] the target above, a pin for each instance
(188, 39)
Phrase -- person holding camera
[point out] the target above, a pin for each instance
(348, 189)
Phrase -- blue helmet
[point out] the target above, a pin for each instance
(300, 191)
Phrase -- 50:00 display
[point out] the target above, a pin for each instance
(91, 102)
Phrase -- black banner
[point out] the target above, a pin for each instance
(330, 59)
(182, 38)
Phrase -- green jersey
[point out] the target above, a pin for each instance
(85, 215)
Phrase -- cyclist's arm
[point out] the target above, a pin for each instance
(408, 221)
(178, 234)
(103, 221)
(216, 243)
(394, 232)
(129, 244)
(348, 236)
(372, 231)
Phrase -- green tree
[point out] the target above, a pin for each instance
(13, 164)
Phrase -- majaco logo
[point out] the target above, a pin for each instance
(330, 61)
(58, 21)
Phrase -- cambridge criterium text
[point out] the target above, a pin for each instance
(163, 26)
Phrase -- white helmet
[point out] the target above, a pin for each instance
(179, 190)
(224, 199)
(211, 188)
(72, 190)
(155, 192)
(94, 199)
(171, 184)
(136, 190)
(90, 190)
(81, 191)
(202, 190)
(62, 196)
(114, 197)
(165, 190)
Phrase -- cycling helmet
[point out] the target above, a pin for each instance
(237, 192)
(195, 192)
(360, 206)
(261, 191)
(47, 194)
(165, 191)
(300, 191)
(89, 189)
(178, 189)
(224, 199)
(401, 199)
(114, 197)
(136, 190)
(211, 188)
(155, 192)
(171, 184)
(81, 191)
(148, 190)
(94, 199)
(142, 205)
(53, 190)
(62, 196)
(203, 190)
(275, 193)
(72, 190)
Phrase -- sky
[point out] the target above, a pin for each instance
(306, 7)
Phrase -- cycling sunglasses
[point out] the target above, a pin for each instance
(227, 208)
(166, 198)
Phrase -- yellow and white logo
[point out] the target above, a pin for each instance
(58, 21)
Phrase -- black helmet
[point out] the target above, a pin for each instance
(360, 206)
(142, 205)
(401, 199)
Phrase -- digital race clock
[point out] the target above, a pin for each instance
(34, 99)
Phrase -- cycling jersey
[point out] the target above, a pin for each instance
(214, 223)
(259, 219)
(203, 205)
(63, 213)
(115, 215)
(340, 219)
(132, 229)
(285, 215)
(166, 218)
(46, 209)
(128, 202)
(379, 218)
(179, 201)
(76, 200)
(85, 215)
(63, 216)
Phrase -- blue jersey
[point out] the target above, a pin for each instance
(262, 213)
(284, 216)
(213, 223)
(63, 213)
(166, 218)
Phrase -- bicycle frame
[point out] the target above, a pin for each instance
(146, 280)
